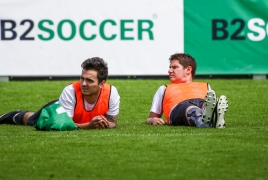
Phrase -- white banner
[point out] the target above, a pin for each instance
(40, 38)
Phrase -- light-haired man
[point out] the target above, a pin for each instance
(184, 102)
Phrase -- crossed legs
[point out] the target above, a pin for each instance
(202, 113)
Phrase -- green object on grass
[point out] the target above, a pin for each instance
(54, 117)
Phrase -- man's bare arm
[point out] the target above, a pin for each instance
(112, 120)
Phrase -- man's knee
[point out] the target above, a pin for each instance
(26, 116)
(192, 115)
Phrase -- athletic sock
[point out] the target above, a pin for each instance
(18, 118)
(194, 115)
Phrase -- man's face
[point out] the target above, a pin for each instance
(89, 82)
(177, 74)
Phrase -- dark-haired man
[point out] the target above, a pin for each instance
(184, 102)
(91, 103)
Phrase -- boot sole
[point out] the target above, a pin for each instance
(210, 104)
(222, 107)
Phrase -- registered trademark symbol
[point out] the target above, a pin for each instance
(155, 16)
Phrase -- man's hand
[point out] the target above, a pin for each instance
(98, 122)
(155, 119)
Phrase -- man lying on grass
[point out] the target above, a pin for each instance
(91, 103)
(184, 102)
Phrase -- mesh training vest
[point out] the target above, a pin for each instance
(176, 93)
(101, 106)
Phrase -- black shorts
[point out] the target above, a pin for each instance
(34, 118)
(177, 115)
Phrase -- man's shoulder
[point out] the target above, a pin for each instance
(160, 91)
(69, 87)
(163, 86)
(114, 91)
(68, 90)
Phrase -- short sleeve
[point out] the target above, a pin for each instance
(157, 100)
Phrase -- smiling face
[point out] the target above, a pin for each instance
(179, 74)
(89, 83)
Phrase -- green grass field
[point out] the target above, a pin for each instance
(135, 150)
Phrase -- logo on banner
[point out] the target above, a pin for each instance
(258, 29)
(88, 30)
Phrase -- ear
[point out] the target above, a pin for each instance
(189, 70)
(102, 83)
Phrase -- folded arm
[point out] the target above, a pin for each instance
(100, 122)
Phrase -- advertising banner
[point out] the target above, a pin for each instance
(40, 38)
(227, 36)
(135, 38)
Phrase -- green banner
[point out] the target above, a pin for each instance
(227, 36)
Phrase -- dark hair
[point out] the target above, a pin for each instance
(185, 60)
(97, 64)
